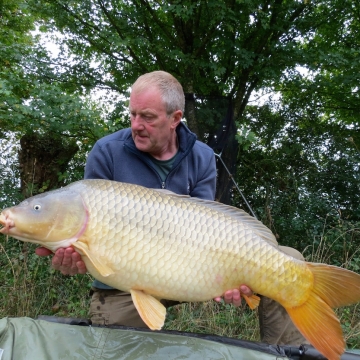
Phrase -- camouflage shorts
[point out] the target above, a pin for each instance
(115, 307)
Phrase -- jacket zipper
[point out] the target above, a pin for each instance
(148, 162)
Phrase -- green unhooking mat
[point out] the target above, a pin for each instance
(25, 338)
(29, 339)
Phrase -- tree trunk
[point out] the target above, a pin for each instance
(226, 157)
(226, 168)
(189, 115)
(42, 159)
(221, 140)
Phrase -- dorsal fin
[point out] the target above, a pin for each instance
(169, 192)
(240, 215)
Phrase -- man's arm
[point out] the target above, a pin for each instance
(206, 185)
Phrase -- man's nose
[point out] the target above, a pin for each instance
(137, 123)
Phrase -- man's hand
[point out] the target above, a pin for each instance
(234, 296)
(66, 260)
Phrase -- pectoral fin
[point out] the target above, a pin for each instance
(101, 268)
(150, 309)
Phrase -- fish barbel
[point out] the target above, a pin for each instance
(159, 245)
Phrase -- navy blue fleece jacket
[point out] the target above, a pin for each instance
(193, 173)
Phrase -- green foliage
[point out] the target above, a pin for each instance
(350, 325)
(303, 178)
(212, 47)
(9, 174)
(38, 99)
(229, 48)
(245, 137)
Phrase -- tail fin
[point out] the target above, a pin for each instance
(333, 287)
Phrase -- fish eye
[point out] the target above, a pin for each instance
(37, 207)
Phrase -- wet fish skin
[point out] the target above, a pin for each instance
(156, 244)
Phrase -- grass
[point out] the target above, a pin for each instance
(340, 246)
(350, 320)
(214, 318)
(29, 287)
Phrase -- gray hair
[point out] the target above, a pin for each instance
(170, 89)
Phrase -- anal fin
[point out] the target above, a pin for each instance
(253, 301)
(103, 270)
(151, 310)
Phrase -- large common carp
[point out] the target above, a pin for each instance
(159, 245)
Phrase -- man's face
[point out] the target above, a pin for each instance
(152, 129)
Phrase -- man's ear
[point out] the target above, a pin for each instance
(176, 118)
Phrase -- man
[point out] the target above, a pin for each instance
(158, 151)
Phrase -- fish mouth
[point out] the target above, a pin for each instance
(5, 223)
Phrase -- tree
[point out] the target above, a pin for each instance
(217, 49)
(302, 179)
(228, 48)
(47, 116)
